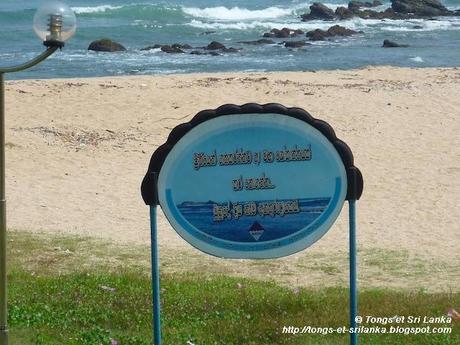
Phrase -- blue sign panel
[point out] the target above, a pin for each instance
(252, 185)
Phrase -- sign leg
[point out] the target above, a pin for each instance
(353, 273)
(155, 277)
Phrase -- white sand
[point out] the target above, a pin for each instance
(78, 149)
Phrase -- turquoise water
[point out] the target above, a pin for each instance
(137, 24)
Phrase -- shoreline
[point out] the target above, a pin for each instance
(223, 74)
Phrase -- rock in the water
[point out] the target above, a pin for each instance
(230, 50)
(336, 30)
(283, 33)
(156, 46)
(208, 32)
(171, 49)
(106, 45)
(199, 52)
(343, 13)
(295, 44)
(214, 45)
(319, 11)
(417, 27)
(391, 44)
(317, 35)
(174, 48)
(356, 5)
(258, 42)
(423, 8)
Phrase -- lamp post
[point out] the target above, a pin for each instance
(54, 23)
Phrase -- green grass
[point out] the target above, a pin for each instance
(56, 297)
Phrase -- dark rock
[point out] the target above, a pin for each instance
(171, 50)
(338, 30)
(174, 48)
(106, 45)
(356, 5)
(420, 8)
(417, 27)
(199, 52)
(317, 35)
(258, 42)
(181, 46)
(156, 46)
(295, 44)
(208, 32)
(319, 11)
(214, 45)
(283, 33)
(343, 13)
(391, 44)
(229, 50)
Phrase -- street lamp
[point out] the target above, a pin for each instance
(54, 23)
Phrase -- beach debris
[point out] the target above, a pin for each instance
(336, 30)
(455, 315)
(262, 41)
(392, 44)
(283, 33)
(107, 288)
(106, 45)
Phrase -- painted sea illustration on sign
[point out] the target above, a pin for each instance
(250, 185)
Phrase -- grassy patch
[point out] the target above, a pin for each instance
(74, 290)
(92, 309)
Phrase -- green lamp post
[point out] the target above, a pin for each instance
(54, 23)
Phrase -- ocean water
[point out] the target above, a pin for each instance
(140, 23)
(271, 227)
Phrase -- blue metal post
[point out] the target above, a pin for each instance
(155, 277)
(353, 274)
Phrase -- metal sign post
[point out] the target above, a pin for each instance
(252, 182)
(155, 277)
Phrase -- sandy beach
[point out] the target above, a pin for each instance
(77, 150)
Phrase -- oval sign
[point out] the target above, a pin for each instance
(252, 185)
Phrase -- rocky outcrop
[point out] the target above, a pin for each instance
(356, 5)
(343, 13)
(175, 48)
(391, 44)
(214, 45)
(283, 33)
(106, 45)
(200, 52)
(295, 44)
(336, 30)
(420, 8)
(319, 11)
(258, 42)
(400, 9)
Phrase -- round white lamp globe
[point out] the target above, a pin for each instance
(54, 23)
